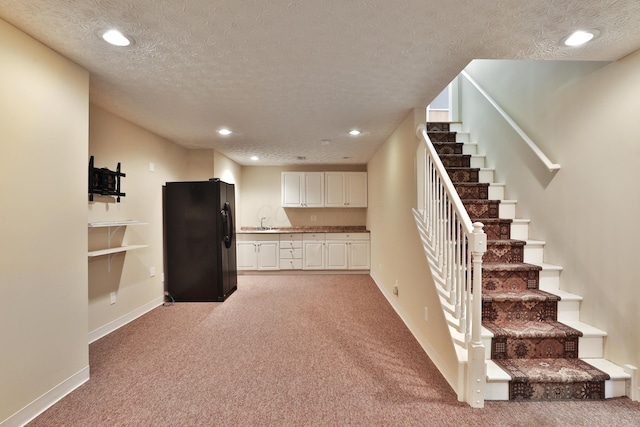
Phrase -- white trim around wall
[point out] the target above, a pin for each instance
(123, 320)
(44, 402)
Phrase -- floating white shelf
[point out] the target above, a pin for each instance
(122, 223)
(109, 250)
(115, 250)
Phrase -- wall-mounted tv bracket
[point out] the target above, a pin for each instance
(104, 182)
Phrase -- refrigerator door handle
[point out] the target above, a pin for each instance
(227, 224)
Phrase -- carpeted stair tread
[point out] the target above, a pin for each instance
(456, 160)
(463, 174)
(472, 190)
(531, 329)
(553, 379)
(510, 267)
(518, 295)
(504, 251)
(441, 136)
(551, 370)
(482, 208)
(510, 277)
(438, 126)
(448, 147)
(496, 228)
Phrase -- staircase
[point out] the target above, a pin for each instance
(536, 346)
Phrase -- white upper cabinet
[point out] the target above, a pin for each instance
(302, 189)
(346, 189)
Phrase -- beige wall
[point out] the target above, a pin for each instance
(260, 197)
(43, 267)
(396, 251)
(112, 140)
(584, 116)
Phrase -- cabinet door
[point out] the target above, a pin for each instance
(356, 189)
(313, 256)
(246, 255)
(334, 189)
(268, 256)
(359, 258)
(337, 255)
(313, 189)
(292, 189)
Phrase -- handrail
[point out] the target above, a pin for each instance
(454, 247)
(538, 152)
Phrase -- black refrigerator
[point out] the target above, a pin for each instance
(200, 242)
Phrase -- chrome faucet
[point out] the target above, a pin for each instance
(261, 225)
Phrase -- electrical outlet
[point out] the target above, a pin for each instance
(152, 272)
(426, 314)
(314, 217)
(152, 167)
(112, 296)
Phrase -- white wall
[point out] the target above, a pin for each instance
(584, 116)
(43, 268)
(397, 255)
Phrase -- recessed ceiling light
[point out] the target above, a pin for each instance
(116, 38)
(225, 131)
(578, 38)
(354, 132)
(255, 158)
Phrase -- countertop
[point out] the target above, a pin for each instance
(306, 229)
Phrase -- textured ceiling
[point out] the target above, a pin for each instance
(284, 75)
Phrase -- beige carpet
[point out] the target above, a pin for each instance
(312, 350)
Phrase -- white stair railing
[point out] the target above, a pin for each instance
(454, 247)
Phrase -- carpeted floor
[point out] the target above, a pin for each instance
(307, 350)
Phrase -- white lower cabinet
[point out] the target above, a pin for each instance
(291, 251)
(313, 256)
(348, 251)
(258, 252)
(303, 251)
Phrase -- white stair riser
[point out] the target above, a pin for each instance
(519, 230)
(456, 127)
(496, 192)
(590, 347)
(533, 253)
(568, 311)
(496, 390)
(486, 176)
(549, 280)
(477, 161)
(614, 388)
(470, 148)
(461, 136)
(507, 210)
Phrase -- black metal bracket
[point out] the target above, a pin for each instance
(104, 182)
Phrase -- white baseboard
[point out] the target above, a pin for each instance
(433, 354)
(44, 402)
(121, 321)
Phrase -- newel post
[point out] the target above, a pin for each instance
(476, 363)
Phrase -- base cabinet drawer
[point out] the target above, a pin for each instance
(291, 264)
(291, 253)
